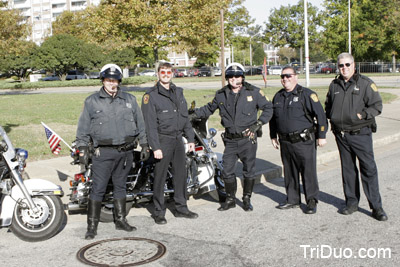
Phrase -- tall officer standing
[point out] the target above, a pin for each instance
(352, 103)
(112, 121)
(295, 109)
(166, 116)
(238, 105)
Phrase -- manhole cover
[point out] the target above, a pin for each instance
(129, 251)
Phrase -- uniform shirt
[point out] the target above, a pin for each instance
(237, 118)
(345, 100)
(110, 121)
(289, 114)
(165, 113)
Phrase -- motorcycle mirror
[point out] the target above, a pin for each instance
(213, 144)
(212, 132)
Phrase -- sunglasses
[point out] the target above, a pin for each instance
(234, 76)
(342, 65)
(163, 72)
(289, 75)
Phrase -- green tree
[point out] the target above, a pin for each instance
(373, 37)
(18, 60)
(288, 53)
(259, 54)
(285, 26)
(61, 53)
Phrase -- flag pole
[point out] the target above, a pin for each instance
(44, 125)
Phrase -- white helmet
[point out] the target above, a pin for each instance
(234, 69)
(111, 71)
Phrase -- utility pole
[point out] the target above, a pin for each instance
(306, 43)
(222, 49)
(349, 28)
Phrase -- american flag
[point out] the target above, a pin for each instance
(54, 140)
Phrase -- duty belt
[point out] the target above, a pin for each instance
(120, 148)
(234, 135)
(297, 136)
(342, 132)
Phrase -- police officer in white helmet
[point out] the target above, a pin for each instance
(112, 120)
(238, 104)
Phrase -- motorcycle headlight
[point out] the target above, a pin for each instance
(22, 153)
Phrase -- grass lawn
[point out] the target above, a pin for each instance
(21, 116)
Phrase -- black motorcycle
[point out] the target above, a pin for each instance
(204, 175)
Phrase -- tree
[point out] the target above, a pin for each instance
(61, 53)
(259, 54)
(285, 26)
(288, 53)
(15, 51)
(374, 37)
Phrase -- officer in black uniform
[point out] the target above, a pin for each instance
(298, 125)
(352, 103)
(166, 116)
(238, 105)
(112, 121)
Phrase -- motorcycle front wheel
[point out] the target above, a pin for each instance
(219, 194)
(42, 225)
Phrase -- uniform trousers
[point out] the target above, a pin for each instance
(359, 146)
(242, 149)
(110, 164)
(173, 151)
(299, 158)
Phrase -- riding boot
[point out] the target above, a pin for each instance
(93, 218)
(230, 201)
(247, 190)
(120, 216)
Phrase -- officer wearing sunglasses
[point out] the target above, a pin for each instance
(352, 103)
(297, 125)
(238, 104)
(165, 113)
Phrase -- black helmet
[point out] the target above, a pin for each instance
(234, 69)
(111, 71)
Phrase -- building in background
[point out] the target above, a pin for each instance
(41, 13)
(272, 54)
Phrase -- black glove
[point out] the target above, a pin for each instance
(83, 155)
(193, 116)
(145, 153)
(255, 127)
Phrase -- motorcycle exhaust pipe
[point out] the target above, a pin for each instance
(74, 207)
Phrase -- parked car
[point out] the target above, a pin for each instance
(76, 75)
(147, 73)
(217, 71)
(94, 75)
(193, 72)
(180, 73)
(253, 70)
(52, 77)
(205, 71)
(275, 70)
(328, 68)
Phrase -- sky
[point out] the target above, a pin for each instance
(260, 9)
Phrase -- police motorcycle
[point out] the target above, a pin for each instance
(31, 208)
(204, 175)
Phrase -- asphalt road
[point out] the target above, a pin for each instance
(265, 237)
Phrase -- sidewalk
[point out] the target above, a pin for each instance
(268, 165)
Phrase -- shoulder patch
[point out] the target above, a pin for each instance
(314, 97)
(146, 98)
(373, 86)
(262, 93)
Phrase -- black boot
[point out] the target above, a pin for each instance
(120, 216)
(247, 190)
(93, 218)
(230, 201)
